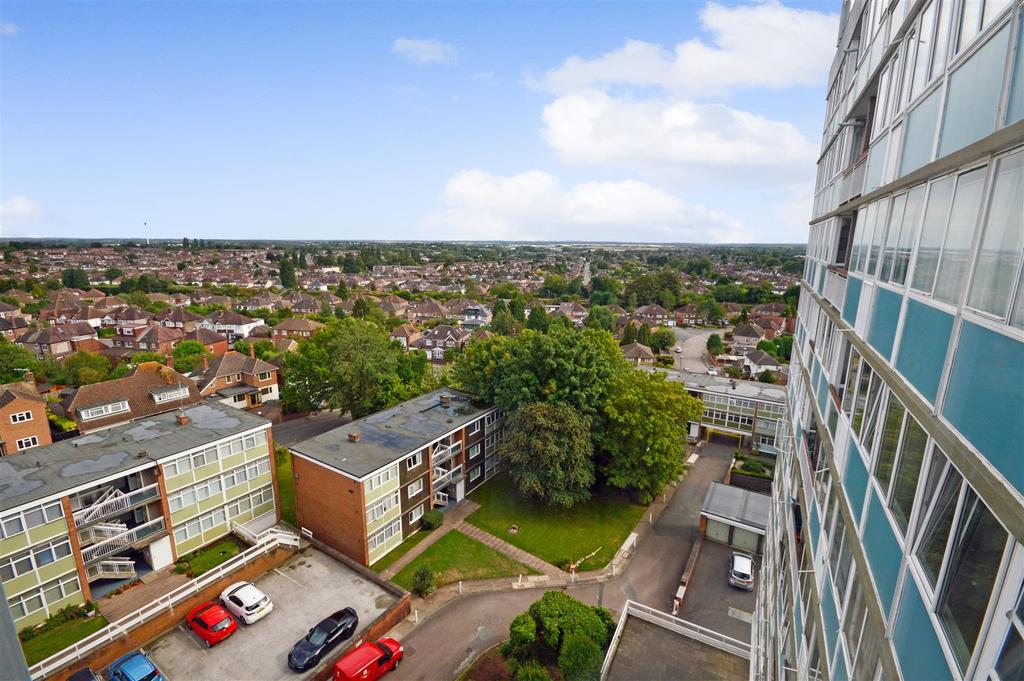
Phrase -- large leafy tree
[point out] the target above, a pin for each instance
(75, 278)
(287, 273)
(538, 319)
(645, 421)
(188, 355)
(87, 367)
(14, 361)
(352, 365)
(548, 451)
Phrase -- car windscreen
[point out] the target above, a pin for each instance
(319, 635)
(222, 625)
(152, 676)
(254, 606)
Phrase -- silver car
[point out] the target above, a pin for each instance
(741, 571)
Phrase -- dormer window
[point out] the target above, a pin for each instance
(103, 410)
(175, 393)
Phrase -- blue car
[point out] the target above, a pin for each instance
(135, 667)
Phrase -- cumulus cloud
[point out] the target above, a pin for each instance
(9, 28)
(425, 50)
(535, 205)
(594, 127)
(760, 45)
(18, 209)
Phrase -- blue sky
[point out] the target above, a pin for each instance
(626, 121)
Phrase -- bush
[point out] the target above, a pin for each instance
(432, 519)
(752, 466)
(62, 616)
(423, 582)
(580, 659)
(559, 616)
(532, 671)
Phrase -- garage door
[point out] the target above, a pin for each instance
(717, 531)
(745, 539)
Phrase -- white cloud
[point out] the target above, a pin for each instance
(9, 28)
(535, 205)
(759, 45)
(18, 209)
(673, 135)
(425, 50)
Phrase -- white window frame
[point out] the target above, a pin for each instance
(21, 417)
(416, 514)
(27, 442)
(414, 460)
(91, 413)
(178, 393)
(414, 488)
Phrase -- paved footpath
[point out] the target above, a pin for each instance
(513, 552)
(452, 519)
(450, 628)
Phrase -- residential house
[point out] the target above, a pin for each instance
(406, 334)
(438, 341)
(56, 341)
(654, 315)
(215, 343)
(574, 312)
(231, 324)
(8, 311)
(757, 361)
(473, 316)
(394, 305)
(159, 339)
(151, 389)
(745, 337)
(238, 380)
(638, 354)
(428, 308)
(12, 327)
(179, 318)
(689, 315)
(304, 304)
(23, 421)
(363, 487)
(295, 327)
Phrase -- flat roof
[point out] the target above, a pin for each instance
(388, 435)
(45, 471)
(738, 505)
(723, 385)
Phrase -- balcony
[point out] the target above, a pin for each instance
(112, 568)
(835, 289)
(443, 477)
(115, 502)
(123, 540)
(446, 453)
(493, 426)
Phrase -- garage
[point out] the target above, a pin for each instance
(735, 517)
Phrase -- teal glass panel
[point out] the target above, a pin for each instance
(883, 551)
(920, 133)
(974, 91)
(855, 480)
(852, 300)
(884, 317)
(918, 651)
(923, 345)
(829, 617)
(814, 524)
(984, 400)
(839, 673)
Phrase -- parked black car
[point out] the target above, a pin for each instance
(322, 638)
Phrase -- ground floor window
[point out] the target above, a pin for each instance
(379, 538)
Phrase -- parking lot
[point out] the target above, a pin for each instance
(711, 602)
(308, 587)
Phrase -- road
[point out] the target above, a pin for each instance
(442, 646)
(290, 432)
(694, 345)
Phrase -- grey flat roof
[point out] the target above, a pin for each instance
(238, 390)
(737, 504)
(390, 434)
(45, 471)
(750, 390)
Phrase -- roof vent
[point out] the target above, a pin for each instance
(183, 420)
(444, 399)
(353, 437)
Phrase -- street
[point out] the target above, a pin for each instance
(694, 344)
(442, 646)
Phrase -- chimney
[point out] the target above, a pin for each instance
(444, 399)
(353, 437)
(183, 420)
(252, 350)
(206, 362)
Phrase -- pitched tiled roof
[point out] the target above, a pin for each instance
(139, 388)
(204, 336)
(298, 324)
(233, 362)
(637, 351)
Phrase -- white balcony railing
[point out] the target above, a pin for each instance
(120, 541)
(112, 568)
(443, 454)
(115, 501)
(442, 477)
(835, 289)
(440, 498)
(100, 532)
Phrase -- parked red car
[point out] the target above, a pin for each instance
(369, 661)
(212, 623)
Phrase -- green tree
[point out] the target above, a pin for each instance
(188, 355)
(711, 310)
(517, 308)
(75, 277)
(532, 671)
(287, 273)
(643, 336)
(423, 581)
(342, 290)
(362, 307)
(263, 349)
(14, 361)
(548, 451)
(646, 419)
(600, 317)
(113, 273)
(560, 617)
(767, 377)
(503, 323)
(629, 333)
(662, 339)
(498, 307)
(580, 659)
(733, 371)
(140, 357)
(715, 345)
(87, 367)
(521, 634)
(538, 319)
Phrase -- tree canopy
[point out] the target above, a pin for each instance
(14, 361)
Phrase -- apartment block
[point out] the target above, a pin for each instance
(896, 537)
(363, 487)
(79, 518)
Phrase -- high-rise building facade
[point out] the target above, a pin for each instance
(895, 546)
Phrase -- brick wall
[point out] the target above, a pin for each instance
(331, 506)
(10, 433)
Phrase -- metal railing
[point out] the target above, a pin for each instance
(444, 454)
(267, 541)
(442, 477)
(118, 542)
(100, 532)
(112, 568)
(114, 502)
(441, 498)
(835, 289)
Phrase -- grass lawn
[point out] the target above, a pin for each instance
(456, 556)
(557, 535)
(206, 559)
(59, 638)
(285, 484)
(399, 551)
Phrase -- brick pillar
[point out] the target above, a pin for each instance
(165, 509)
(76, 548)
(273, 475)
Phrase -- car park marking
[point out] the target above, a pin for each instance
(295, 582)
(741, 615)
(191, 636)
(693, 458)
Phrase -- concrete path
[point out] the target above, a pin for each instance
(513, 552)
(452, 629)
(452, 519)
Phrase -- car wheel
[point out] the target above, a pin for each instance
(395, 665)
(208, 644)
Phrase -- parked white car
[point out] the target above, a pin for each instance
(741, 571)
(677, 349)
(246, 602)
(712, 371)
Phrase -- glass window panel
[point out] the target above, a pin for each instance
(890, 439)
(1015, 107)
(899, 204)
(1011, 660)
(35, 517)
(878, 236)
(862, 396)
(970, 15)
(52, 594)
(1017, 316)
(941, 35)
(956, 248)
(920, 136)
(908, 470)
(993, 8)
(940, 194)
(876, 163)
(905, 244)
(973, 563)
(1002, 240)
(932, 547)
(923, 60)
(975, 89)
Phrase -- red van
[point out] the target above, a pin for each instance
(369, 661)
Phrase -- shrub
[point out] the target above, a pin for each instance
(559, 615)
(532, 671)
(753, 466)
(521, 633)
(423, 582)
(432, 519)
(580, 659)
